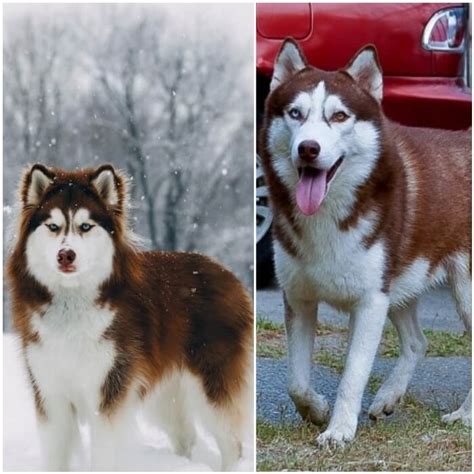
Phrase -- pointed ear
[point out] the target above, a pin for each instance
(35, 183)
(289, 61)
(365, 69)
(109, 185)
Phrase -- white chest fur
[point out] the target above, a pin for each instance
(71, 360)
(335, 266)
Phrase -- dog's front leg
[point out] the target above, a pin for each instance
(367, 326)
(300, 319)
(103, 444)
(109, 435)
(58, 433)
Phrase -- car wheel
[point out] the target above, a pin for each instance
(264, 218)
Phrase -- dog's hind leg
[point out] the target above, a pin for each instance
(460, 280)
(413, 347)
(229, 416)
(168, 408)
(227, 425)
(300, 320)
(461, 287)
(226, 421)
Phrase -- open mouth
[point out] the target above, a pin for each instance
(312, 187)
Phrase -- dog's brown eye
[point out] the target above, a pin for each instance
(52, 227)
(295, 113)
(86, 227)
(339, 117)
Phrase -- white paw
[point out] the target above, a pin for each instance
(311, 406)
(384, 404)
(338, 434)
(461, 414)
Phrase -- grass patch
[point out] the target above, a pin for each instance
(330, 359)
(264, 324)
(329, 329)
(270, 346)
(416, 440)
(375, 381)
(270, 338)
(272, 343)
(440, 344)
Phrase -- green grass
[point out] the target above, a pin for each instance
(264, 324)
(270, 348)
(270, 339)
(330, 359)
(440, 344)
(416, 440)
(272, 343)
(375, 381)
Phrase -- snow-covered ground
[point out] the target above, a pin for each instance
(148, 451)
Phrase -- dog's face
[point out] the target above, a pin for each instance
(322, 125)
(70, 221)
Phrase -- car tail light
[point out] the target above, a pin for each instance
(445, 30)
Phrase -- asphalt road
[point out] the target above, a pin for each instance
(441, 382)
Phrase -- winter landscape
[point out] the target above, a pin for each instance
(164, 94)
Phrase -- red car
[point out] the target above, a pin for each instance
(424, 50)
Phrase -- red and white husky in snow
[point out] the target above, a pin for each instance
(107, 328)
(368, 215)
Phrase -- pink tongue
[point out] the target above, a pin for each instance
(310, 190)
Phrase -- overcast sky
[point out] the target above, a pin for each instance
(236, 20)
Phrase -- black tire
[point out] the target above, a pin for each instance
(265, 269)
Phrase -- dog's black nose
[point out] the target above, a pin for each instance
(66, 257)
(308, 150)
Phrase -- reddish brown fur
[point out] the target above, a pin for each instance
(440, 161)
(441, 208)
(37, 394)
(173, 310)
(204, 323)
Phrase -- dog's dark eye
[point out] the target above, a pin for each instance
(52, 227)
(339, 117)
(86, 227)
(295, 113)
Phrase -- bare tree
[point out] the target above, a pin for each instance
(169, 102)
(34, 106)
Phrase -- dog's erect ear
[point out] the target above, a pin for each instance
(109, 185)
(365, 69)
(289, 61)
(34, 184)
